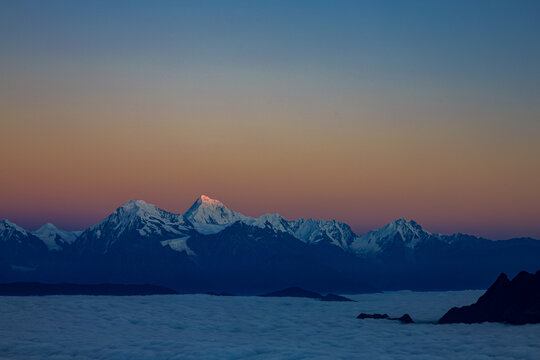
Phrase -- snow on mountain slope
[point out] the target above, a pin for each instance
(406, 231)
(55, 238)
(20, 248)
(210, 216)
(314, 231)
(272, 221)
(307, 230)
(147, 219)
(140, 218)
(9, 229)
(179, 245)
(206, 216)
(141, 228)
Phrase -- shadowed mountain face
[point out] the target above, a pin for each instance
(513, 302)
(19, 249)
(211, 248)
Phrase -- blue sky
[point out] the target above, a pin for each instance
(365, 90)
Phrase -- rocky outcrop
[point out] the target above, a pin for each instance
(405, 319)
(513, 302)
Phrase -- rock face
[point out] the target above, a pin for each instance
(513, 302)
(299, 292)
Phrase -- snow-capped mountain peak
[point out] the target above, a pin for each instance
(55, 238)
(273, 221)
(209, 215)
(203, 199)
(7, 228)
(138, 212)
(408, 232)
(48, 226)
(307, 230)
(406, 228)
(315, 231)
(135, 219)
(138, 207)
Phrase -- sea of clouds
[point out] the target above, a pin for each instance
(208, 327)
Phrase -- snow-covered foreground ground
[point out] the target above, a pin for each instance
(206, 327)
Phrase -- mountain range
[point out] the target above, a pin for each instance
(211, 248)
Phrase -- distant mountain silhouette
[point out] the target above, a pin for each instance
(219, 294)
(34, 288)
(299, 292)
(512, 302)
(211, 248)
(294, 292)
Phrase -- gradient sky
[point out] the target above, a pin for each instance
(359, 111)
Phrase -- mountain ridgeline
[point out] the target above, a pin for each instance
(211, 248)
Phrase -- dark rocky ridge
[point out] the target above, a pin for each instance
(513, 302)
(299, 292)
(405, 319)
(40, 289)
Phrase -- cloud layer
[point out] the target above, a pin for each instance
(201, 326)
